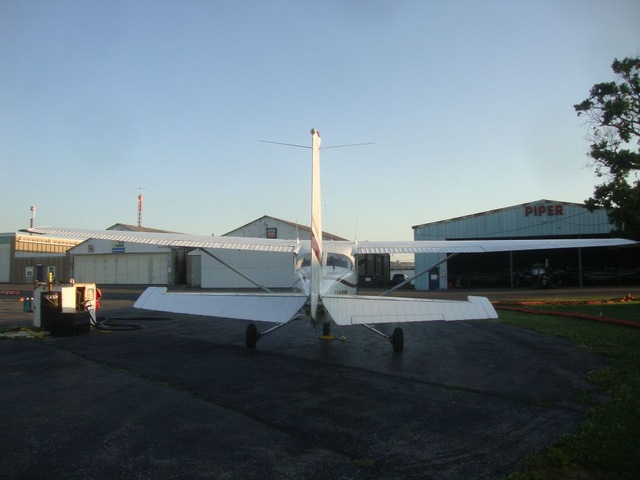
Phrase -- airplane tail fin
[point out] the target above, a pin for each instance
(316, 224)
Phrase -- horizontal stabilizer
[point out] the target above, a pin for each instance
(259, 307)
(356, 310)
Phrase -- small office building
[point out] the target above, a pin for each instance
(28, 258)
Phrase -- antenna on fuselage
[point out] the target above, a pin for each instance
(321, 148)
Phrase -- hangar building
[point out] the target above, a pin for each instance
(106, 262)
(274, 270)
(537, 219)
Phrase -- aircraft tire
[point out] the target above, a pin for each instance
(252, 335)
(397, 340)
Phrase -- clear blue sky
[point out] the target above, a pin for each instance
(469, 103)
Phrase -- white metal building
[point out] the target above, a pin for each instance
(125, 263)
(118, 263)
(273, 270)
(537, 219)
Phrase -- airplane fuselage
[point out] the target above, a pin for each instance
(339, 275)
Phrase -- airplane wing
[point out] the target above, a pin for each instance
(357, 310)
(483, 246)
(281, 245)
(177, 240)
(276, 307)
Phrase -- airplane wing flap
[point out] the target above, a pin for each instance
(259, 307)
(356, 310)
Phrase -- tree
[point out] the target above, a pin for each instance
(613, 119)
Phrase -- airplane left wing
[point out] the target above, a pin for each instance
(177, 240)
(277, 307)
(358, 310)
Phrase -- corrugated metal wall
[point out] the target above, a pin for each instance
(123, 268)
(5, 259)
(273, 270)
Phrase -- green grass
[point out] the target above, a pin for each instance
(622, 311)
(607, 444)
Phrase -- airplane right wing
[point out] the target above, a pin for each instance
(356, 310)
(276, 307)
(485, 246)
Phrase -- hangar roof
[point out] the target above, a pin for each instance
(135, 228)
(267, 218)
(539, 218)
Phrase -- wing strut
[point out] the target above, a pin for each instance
(253, 335)
(396, 339)
(419, 274)
(249, 279)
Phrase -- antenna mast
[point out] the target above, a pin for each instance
(139, 204)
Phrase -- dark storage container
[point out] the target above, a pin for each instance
(50, 306)
(60, 323)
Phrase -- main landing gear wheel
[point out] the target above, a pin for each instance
(397, 340)
(252, 335)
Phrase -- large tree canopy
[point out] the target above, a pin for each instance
(613, 118)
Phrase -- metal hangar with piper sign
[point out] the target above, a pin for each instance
(534, 220)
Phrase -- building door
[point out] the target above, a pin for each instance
(434, 278)
(40, 273)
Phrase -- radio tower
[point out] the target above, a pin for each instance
(140, 204)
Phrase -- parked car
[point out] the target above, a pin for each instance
(398, 278)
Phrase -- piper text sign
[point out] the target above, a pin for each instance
(540, 210)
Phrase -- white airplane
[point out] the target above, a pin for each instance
(325, 277)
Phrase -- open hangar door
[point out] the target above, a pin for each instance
(513, 269)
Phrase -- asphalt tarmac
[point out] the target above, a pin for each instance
(182, 397)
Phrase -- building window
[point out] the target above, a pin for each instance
(272, 232)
